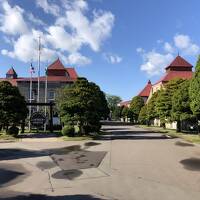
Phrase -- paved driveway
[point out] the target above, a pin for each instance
(129, 163)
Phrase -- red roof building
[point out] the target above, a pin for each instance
(57, 76)
(146, 91)
(178, 68)
(124, 104)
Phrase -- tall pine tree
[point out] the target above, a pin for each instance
(194, 91)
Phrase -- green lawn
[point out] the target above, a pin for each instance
(194, 138)
(66, 138)
(4, 136)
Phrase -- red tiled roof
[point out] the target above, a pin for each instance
(57, 65)
(179, 62)
(175, 74)
(11, 71)
(72, 73)
(124, 103)
(146, 91)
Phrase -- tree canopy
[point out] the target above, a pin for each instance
(164, 99)
(143, 116)
(113, 101)
(12, 105)
(151, 107)
(181, 102)
(194, 91)
(136, 104)
(83, 104)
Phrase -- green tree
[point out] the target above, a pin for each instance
(83, 104)
(181, 104)
(113, 102)
(164, 100)
(12, 105)
(136, 104)
(143, 118)
(117, 113)
(151, 107)
(194, 91)
(126, 113)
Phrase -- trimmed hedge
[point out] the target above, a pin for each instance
(68, 130)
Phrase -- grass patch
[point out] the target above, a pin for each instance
(193, 138)
(94, 136)
(78, 138)
(4, 136)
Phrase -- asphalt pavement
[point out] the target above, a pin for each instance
(127, 163)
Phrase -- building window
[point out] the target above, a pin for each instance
(51, 95)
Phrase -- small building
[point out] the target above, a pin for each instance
(57, 77)
(124, 104)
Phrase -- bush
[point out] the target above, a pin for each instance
(13, 130)
(68, 130)
(92, 128)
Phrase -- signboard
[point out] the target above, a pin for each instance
(37, 119)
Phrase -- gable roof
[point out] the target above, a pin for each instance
(56, 65)
(124, 103)
(179, 62)
(11, 71)
(146, 91)
(72, 73)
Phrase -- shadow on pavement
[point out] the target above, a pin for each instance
(184, 144)
(11, 174)
(192, 164)
(9, 195)
(70, 159)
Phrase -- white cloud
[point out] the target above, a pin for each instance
(185, 44)
(48, 8)
(168, 47)
(140, 50)
(72, 29)
(60, 39)
(91, 32)
(112, 58)
(12, 21)
(77, 58)
(155, 62)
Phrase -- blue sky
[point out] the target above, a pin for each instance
(118, 44)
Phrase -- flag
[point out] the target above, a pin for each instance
(32, 69)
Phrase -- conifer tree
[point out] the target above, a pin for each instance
(181, 104)
(194, 91)
(136, 104)
(164, 100)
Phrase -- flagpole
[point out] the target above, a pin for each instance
(45, 111)
(39, 51)
(30, 98)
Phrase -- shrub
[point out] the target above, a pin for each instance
(92, 128)
(68, 130)
(13, 130)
